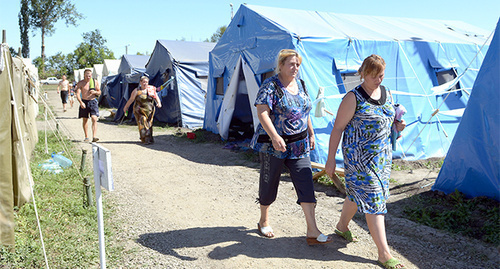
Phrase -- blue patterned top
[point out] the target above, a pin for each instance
(289, 115)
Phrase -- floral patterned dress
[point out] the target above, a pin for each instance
(367, 153)
(144, 111)
(289, 114)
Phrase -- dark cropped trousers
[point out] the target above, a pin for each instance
(270, 172)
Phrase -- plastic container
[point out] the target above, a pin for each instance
(51, 166)
(61, 160)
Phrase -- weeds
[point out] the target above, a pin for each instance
(69, 230)
(478, 217)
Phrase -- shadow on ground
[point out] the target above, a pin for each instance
(242, 241)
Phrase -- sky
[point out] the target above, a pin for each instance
(134, 26)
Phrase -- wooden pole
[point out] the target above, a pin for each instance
(4, 36)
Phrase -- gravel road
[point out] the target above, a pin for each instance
(186, 205)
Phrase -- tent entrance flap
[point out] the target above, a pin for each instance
(241, 93)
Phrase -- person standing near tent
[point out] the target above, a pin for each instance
(87, 91)
(365, 117)
(144, 109)
(63, 88)
(285, 137)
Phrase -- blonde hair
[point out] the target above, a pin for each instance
(283, 55)
(372, 65)
(87, 70)
(144, 77)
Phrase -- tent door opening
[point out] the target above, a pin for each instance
(238, 117)
(241, 126)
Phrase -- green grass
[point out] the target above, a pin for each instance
(477, 217)
(69, 228)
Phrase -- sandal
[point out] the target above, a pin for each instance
(347, 235)
(320, 240)
(265, 231)
(391, 263)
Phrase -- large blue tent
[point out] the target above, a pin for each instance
(117, 87)
(183, 99)
(473, 160)
(431, 67)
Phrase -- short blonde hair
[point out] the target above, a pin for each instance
(87, 70)
(284, 54)
(144, 77)
(372, 65)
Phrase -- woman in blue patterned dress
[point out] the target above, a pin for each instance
(285, 137)
(365, 117)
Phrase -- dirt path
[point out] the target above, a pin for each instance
(187, 205)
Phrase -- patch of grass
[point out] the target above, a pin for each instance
(69, 229)
(478, 217)
(399, 167)
(325, 180)
(431, 163)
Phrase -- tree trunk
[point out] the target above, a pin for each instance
(43, 50)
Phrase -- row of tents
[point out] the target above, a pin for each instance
(432, 66)
(99, 71)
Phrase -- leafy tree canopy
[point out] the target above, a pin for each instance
(217, 35)
(91, 51)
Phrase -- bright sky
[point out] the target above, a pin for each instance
(138, 24)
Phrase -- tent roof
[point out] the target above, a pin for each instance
(363, 27)
(188, 51)
(98, 68)
(130, 63)
(111, 66)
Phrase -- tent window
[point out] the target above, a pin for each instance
(220, 86)
(203, 82)
(446, 76)
(267, 75)
(350, 80)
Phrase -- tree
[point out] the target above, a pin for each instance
(24, 25)
(91, 51)
(217, 35)
(45, 13)
(13, 51)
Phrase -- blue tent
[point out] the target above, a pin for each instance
(116, 87)
(425, 58)
(183, 99)
(472, 163)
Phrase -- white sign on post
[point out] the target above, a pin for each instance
(102, 177)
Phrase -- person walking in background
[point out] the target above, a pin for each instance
(285, 137)
(144, 109)
(72, 94)
(63, 89)
(365, 117)
(87, 91)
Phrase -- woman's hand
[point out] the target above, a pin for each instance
(400, 125)
(330, 166)
(279, 144)
(125, 109)
(158, 105)
(312, 142)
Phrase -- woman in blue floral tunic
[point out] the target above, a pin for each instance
(285, 137)
(365, 117)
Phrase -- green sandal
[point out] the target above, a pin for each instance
(347, 235)
(391, 263)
